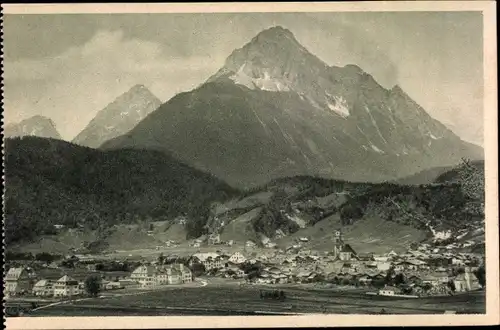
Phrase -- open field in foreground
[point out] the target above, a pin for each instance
(234, 300)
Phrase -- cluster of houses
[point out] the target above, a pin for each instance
(427, 268)
(21, 281)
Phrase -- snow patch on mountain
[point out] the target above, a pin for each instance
(377, 149)
(339, 105)
(260, 120)
(265, 83)
(241, 78)
(432, 136)
(375, 124)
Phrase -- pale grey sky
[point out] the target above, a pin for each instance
(68, 67)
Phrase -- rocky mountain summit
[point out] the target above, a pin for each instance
(276, 110)
(118, 117)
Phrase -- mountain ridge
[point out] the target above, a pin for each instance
(262, 116)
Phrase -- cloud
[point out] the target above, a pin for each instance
(79, 82)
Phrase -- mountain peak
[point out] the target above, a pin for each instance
(40, 118)
(276, 32)
(274, 38)
(37, 125)
(273, 60)
(139, 88)
(119, 116)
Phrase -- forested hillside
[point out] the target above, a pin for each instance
(51, 182)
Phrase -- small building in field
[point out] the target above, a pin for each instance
(389, 291)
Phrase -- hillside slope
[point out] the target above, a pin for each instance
(51, 182)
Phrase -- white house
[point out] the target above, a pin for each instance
(210, 260)
(43, 288)
(144, 275)
(389, 291)
(250, 244)
(67, 287)
(149, 276)
(17, 281)
(237, 258)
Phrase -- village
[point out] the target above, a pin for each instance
(421, 272)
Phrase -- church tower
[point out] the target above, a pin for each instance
(338, 243)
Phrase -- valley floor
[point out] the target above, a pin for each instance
(221, 297)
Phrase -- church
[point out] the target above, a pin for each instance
(341, 250)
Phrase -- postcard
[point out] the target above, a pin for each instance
(234, 165)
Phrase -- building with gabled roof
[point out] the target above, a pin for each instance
(237, 258)
(150, 276)
(17, 281)
(389, 291)
(466, 282)
(67, 286)
(44, 288)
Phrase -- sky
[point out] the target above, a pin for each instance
(69, 66)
